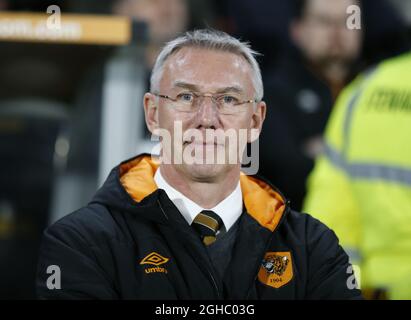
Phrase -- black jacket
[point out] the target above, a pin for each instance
(131, 242)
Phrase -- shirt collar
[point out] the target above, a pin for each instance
(229, 209)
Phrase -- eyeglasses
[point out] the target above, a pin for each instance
(190, 102)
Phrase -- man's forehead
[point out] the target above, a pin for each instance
(195, 64)
(188, 54)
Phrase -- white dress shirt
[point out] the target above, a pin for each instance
(229, 210)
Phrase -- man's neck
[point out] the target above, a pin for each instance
(206, 194)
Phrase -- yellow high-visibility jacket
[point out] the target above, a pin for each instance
(361, 185)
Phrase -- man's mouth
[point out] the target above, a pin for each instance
(202, 143)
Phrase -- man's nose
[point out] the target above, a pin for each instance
(207, 112)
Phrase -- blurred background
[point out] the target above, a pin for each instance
(70, 111)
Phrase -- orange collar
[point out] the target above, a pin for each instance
(264, 204)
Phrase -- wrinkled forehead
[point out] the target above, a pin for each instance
(208, 69)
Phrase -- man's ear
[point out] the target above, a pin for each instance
(257, 121)
(151, 112)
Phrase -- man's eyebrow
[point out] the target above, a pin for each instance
(230, 89)
(185, 85)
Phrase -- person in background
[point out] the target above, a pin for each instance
(301, 90)
(3, 4)
(165, 19)
(361, 186)
(264, 23)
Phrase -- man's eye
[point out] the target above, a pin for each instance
(229, 100)
(185, 97)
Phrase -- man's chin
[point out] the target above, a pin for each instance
(204, 172)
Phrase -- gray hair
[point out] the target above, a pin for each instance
(208, 39)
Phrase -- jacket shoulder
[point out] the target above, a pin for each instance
(328, 270)
(94, 223)
(79, 245)
(307, 225)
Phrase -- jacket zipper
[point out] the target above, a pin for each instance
(215, 284)
(209, 272)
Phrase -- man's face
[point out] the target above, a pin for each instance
(204, 72)
(322, 33)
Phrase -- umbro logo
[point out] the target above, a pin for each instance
(155, 259)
